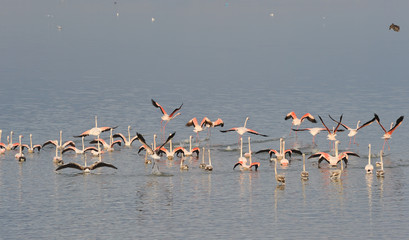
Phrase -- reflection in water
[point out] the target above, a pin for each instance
(369, 180)
(279, 190)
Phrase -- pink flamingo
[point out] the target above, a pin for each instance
(388, 133)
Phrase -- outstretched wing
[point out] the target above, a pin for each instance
(290, 115)
(158, 106)
(101, 164)
(256, 133)
(398, 122)
(309, 117)
(70, 165)
(177, 109)
(367, 123)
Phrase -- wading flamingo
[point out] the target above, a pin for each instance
(279, 178)
(203, 164)
(304, 174)
(150, 151)
(79, 151)
(333, 160)
(10, 145)
(109, 147)
(59, 144)
(31, 148)
(388, 133)
(380, 173)
(127, 141)
(369, 166)
(209, 167)
(20, 155)
(191, 150)
(243, 161)
(182, 165)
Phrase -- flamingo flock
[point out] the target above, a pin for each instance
(245, 161)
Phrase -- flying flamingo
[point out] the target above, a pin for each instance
(166, 117)
(243, 161)
(313, 131)
(59, 144)
(31, 148)
(20, 156)
(191, 150)
(197, 127)
(333, 160)
(242, 130)
(304, 174)
(297, 121)
(79, 151)
(332, 134)
(127, 141)
(369, 166)
(141, 148)
(150, 151)
(209, 124)
(354, 131)
(388, 134)
(95, 131)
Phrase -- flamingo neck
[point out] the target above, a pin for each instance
(281, 146)
(303, 162)
(250, 152)
(0, 134)
(275, 168)
(96, 121)
(99, 151)
(83, 147)
(11, 137)
(210, 160)
(31, 141)
(60, 138)
(129, 133)
(154, 142)
(381, 160)
(203, 155)
(56, 151)
(357, 125)
(245, 122)
(19, 141)
(369, 155)
(190, 143)
(170, 146)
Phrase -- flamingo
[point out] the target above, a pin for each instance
(279, 178)
(169, 153)
(243, 161)
(10, 145)
(197, 127)
(369, 166)
(2, 145)
(150, 151)
(127, 141)
(57, 158)
(332, 134)
(85, 168)
(278, 154)
(203, 164)
(191, 151)
(209, 124)
(304, 174)
(284, 161)
(313, 131)
(388, 134)
(79, 151)
(31, 148)
(333, 160)
(354, 131)
(109, 147)
(95, 131)
(166, 117)
(242, 130)
(183, 166)
(297, 121)
(20, 155)
(209, 167)
(380, 173)
(59, 144)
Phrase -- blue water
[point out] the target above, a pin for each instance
(227, 59)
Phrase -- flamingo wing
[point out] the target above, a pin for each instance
(367, 123)
(256, 133)
(117, 142)
(68, 143)
(70, 165)
(398, 122)
(174, 111)
(339, 123)
(218, 122)
(159, 106)
(229, 130)
(324, 124)
(238, 163)
(119, 135)
(271, 151)
(255, 165)
(143, 142)
(84, 134)
(54, 142)
(296, 151)
(206, 121)
(101, 164)
(309, 117)
(290, 115)
(69, 148)
(38, 147)
(24, 146)
(90, 149)
(379, 122)
(262, 151)
(192, 122)
(345, 126)
(167, 140)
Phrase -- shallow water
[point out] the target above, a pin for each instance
(220, 59)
